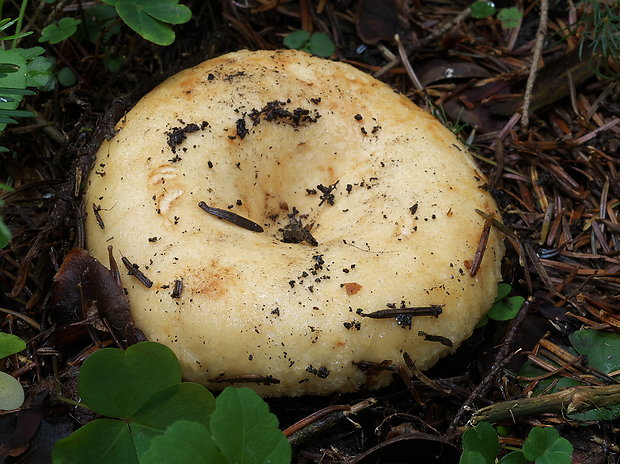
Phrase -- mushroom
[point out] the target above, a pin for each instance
(287, 221)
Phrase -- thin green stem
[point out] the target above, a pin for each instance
(20, 20)
(73, 403)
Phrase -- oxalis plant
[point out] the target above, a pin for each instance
(21, 70)
(25, 69)
(11, 391)
(152, 417)
(543, 445)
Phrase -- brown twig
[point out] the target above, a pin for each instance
(500, 361)
(540, 39)
(314, 417)
(569, 401)
(322, 420)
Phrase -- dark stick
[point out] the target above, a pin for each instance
(432, 310)
(178, 289)
(250, 378)
(500, 361)
(137, 273)
(435, 338)
(96, 209)
(482, 246)
(231, 217)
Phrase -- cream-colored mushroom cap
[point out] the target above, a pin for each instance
(367, 207)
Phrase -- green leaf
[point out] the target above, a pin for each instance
(14, 80)
(182, 401)
(59, 30)
(8, 68)
(29, 53)
(112, 62)
(101, 441)
(481, 10)
(184, 443)
(16, 113)
(17, 36)
(6, 23)
(117, 383)
(100, 21)
(8, 91)
(149, 18)
(167, 11)
(66, 77)
(10, 344)
(545, 446)
(503, 290)
(480, 445)
(515, 457)
(245, 431)
(123, 384)
(321, 44)
(602, 349)
(5, 233)
(24, 62)
(297, 39)
(510, 17)
(11, 392)
(482, 322)
(40, 72)
(506, 309)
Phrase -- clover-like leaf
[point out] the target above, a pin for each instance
(510, 17)
(321, 44)
(602, 349)
(506, 309)
(480, 445)
(182, 401)
(66, 76)
(5, 233)
(10, 344)
(184, 442)
(100, 23)
(482, 9)
(58, 31)
(514, 457)
(124, 384)
(101, 441)
(297, 39)
(245, 431)
(545, 446)
(150, 18)
(117, 383)
(11, 392)
(40, 72)
(503, 290)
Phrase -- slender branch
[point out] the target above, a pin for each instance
(569, 401)
(324, 419)
(540, 39)
(503, 356)
(440, 30)
(437, 33)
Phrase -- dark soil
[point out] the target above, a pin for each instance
(556, 181)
